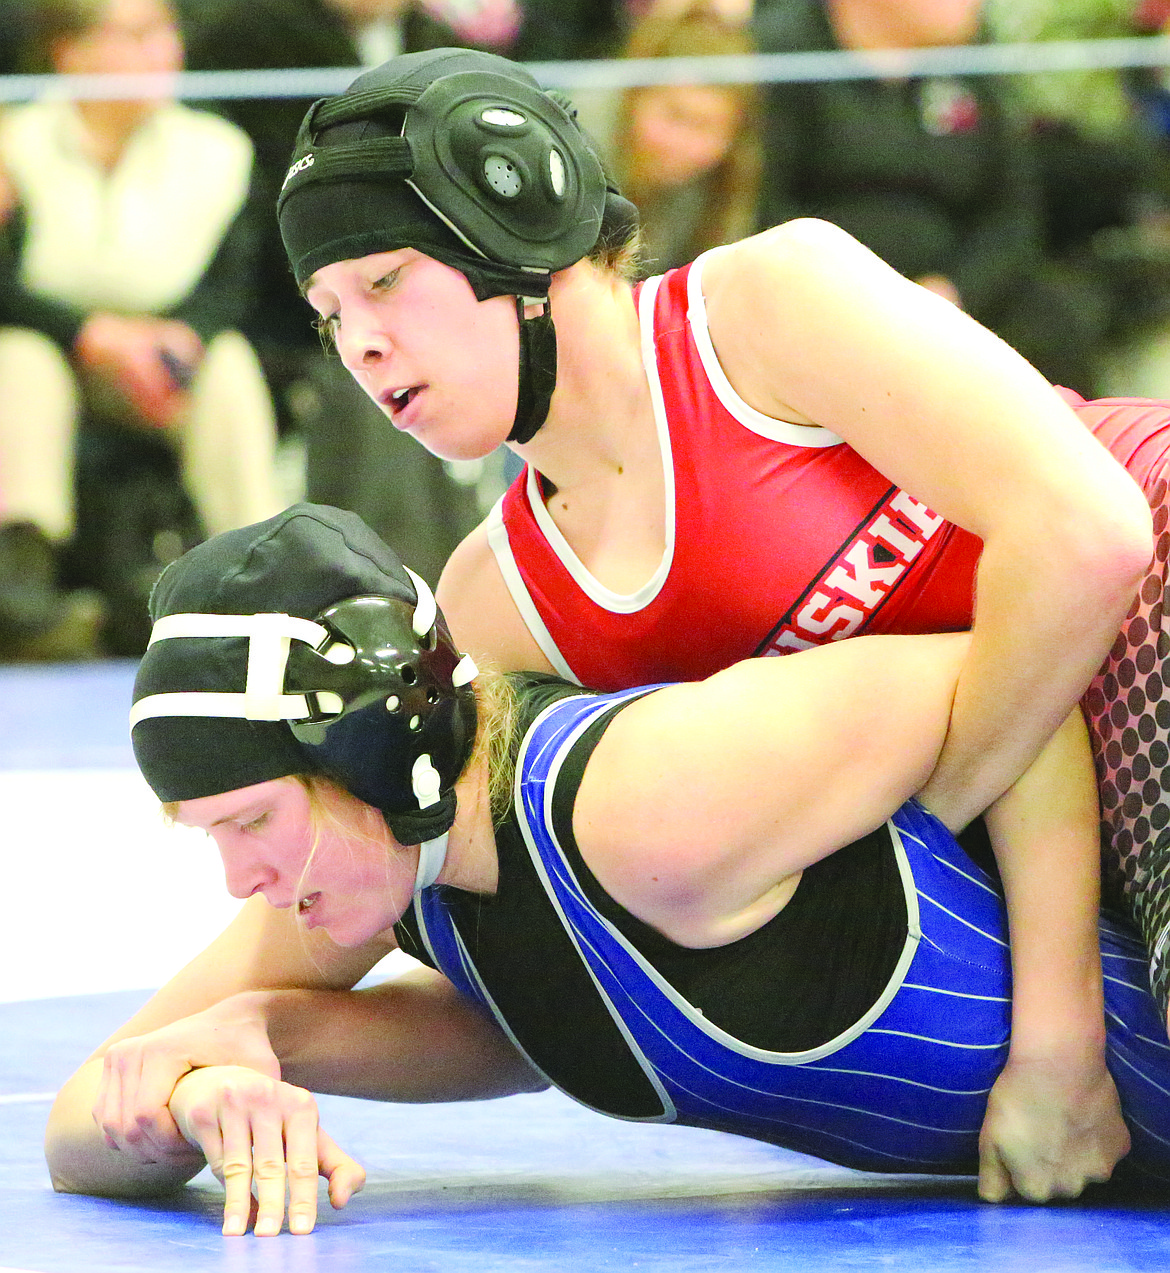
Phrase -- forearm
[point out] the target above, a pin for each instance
(1043, 625)
(1044, 832)
(411, 1039)
(1053, 1121)
(81, 1161)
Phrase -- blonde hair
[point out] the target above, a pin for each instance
(622, 259)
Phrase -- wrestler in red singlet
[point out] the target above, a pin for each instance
(779, 536)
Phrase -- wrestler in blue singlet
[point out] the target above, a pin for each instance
(901, 1086)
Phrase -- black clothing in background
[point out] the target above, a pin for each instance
(933, 175)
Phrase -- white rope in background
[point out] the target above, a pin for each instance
(765, 68)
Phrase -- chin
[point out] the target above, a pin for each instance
(473, 448)
(349, 936)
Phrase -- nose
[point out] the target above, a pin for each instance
(245, 876)
(362, 344)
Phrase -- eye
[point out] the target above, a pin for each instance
(257, 823)
(386, 282)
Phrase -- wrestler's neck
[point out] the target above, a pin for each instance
(472, 864)
(601, 420)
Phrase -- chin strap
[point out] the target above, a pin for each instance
(538, 369)
(431, 856)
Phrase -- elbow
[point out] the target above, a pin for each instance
(534, 1081)
(1106, 550)
(1122, 546)
(63, 1183)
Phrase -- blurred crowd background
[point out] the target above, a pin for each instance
(160, 378)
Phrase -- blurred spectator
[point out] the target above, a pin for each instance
(12, 34)
(1095, 101)
(1105, 174)
(124, 270)
(1100, 162)
(931, 173)
(38, 618)
(556, 30)
(688, 154)
(731, 12)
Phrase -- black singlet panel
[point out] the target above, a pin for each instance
(797, 982)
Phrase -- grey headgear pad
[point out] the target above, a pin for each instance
(300, 563)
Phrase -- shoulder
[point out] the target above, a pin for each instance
(795, 251)
(463, 574)
(772, 299)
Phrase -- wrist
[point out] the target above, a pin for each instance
(1074, 1036)
(276, 1014)
(1058, 1003)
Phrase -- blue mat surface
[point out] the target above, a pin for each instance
(535, 1183)
(66, 717)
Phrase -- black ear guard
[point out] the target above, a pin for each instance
(498, 161)
(462, 156)
(387, 714)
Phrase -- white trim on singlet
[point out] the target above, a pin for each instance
(564, 746)
(605, 598)
(766, 426)
(681, 1003)
(472, 973)
(601, 596)
(497, 534)
(597, 592)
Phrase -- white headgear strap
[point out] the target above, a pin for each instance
(269, 639)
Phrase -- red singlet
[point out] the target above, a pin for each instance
(778, 536)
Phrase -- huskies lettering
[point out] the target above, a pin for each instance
(860, 577)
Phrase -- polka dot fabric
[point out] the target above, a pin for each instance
(1128, 703)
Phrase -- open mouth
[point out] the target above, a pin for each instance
(306, 904)
(399, 399)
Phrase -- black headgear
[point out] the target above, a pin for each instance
(302, 644)
(462, 156)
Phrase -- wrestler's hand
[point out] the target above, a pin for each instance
(260, 1137)
(1050, 1129)
(139, 1074)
